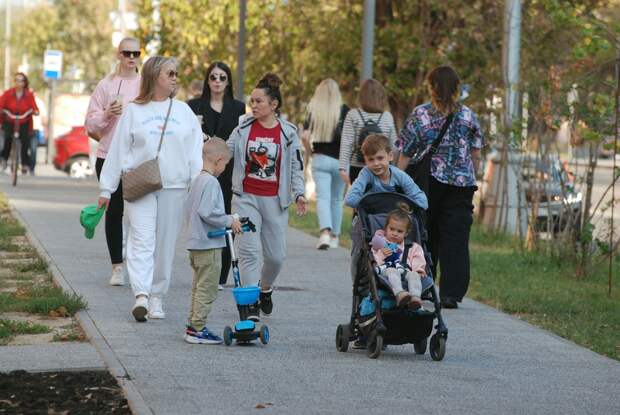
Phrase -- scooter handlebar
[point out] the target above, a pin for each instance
(246, 226)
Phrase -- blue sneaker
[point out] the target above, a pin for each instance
(201, 337)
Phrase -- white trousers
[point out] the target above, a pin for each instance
(154, 224)
(413, 281)
(269, 240)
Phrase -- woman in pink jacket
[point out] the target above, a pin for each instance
(112, 94)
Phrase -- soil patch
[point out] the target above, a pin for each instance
(87, 392)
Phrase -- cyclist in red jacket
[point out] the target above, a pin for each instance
(17, 101)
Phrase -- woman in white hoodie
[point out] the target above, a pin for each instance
(154, 219)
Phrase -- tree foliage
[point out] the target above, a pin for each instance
(82, 30)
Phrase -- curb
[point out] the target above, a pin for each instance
(136, 401)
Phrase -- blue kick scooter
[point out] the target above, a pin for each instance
(244, 331)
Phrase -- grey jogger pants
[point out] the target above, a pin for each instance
(269, 239)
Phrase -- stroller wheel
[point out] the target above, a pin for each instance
(420, 346)
(375, 345)
(437, 347)
(343, 334)
(228, 336)
(264, 334)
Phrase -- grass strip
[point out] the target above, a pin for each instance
(11, 328)
(530, 286)
(42, 300)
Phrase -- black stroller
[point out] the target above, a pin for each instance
(380, 324)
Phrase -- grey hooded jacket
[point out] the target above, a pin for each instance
(291, 162)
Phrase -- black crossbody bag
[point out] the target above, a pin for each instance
(420, 172)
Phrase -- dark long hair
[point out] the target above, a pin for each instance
(23, 75)
(205, 98)
(443, 84)
(270, 83)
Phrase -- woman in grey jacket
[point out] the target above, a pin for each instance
(267, 176)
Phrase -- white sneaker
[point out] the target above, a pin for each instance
(156, 308)
(220, 287)
(323, 243)
(140, 309)
(334, 242)
(117, 278)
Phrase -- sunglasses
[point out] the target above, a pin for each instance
(131, 53)
(214, 77)
(173, 74)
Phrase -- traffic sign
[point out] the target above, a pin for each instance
(52, 64)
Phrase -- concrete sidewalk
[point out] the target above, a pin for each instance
(494, 363)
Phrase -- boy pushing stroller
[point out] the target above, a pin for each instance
(387, 238)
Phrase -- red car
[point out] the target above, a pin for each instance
(72, 153)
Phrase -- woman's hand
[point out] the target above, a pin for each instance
(103, 201)
(302, 206)
(113, 110)
(345, 177)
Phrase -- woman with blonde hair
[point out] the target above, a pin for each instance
(452, 180)
(371, 116)
(321, 138)
(112, 94)
(152, 120)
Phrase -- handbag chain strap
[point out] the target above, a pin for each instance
(444, 128)
(163, 130)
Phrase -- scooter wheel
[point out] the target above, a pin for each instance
(228, 336)
(264, 334)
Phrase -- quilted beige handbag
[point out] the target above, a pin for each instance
(145, 178)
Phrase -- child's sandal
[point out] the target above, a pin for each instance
(403, 298)
(415, 303)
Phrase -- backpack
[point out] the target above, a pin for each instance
(370, 127)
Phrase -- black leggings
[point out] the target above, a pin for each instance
(113, 220)
(450, 215)
(24, 138)
(225, 180)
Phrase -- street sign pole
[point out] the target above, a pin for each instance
(50, 123)
(52, 69)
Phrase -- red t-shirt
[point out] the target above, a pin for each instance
(263, 153)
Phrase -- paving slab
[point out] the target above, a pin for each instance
(50, 357)
(494, 363)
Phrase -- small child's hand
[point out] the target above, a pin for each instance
(236, 226)
(386, 252)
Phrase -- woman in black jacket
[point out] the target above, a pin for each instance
(220, 115)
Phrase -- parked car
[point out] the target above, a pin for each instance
(72, 153)
(553, 186)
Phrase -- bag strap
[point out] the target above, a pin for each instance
(444, 129)
(405, 255)
(118, 91)
(163, 130)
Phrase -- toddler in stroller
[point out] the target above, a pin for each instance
(394, 259)
(375, 313)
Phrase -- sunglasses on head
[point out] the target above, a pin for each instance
(131, 53)
(172, 74)
(214, 77)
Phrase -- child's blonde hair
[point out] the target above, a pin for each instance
(401, 214)
(213, 148)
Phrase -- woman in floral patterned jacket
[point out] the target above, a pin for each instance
(452, 178)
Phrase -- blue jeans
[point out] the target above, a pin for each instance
(329, 192)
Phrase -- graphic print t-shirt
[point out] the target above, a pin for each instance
(262, 171)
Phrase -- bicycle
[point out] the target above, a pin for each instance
(14, 156)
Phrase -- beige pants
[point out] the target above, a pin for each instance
(206, 265)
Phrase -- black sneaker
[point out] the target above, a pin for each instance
(253, 313)
(266, 305)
